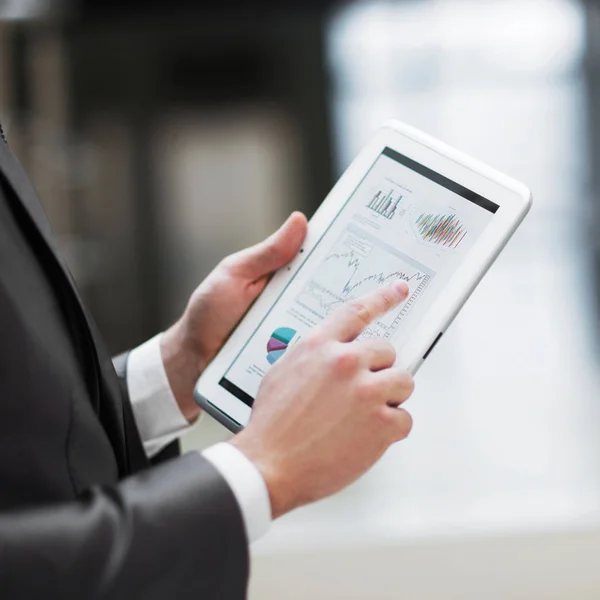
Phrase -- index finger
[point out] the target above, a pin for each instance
(349, 321)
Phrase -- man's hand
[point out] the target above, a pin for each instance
(218, 304)
(328, 409)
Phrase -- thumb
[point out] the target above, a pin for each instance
(274, 252)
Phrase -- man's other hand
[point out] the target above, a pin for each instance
(218, 304)
(329, 408)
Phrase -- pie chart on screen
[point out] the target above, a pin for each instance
(278, 344)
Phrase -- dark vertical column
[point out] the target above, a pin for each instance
(145, 208)
(309, 99)
(139, 107)
(112, 73)
(592, 84)
(16, 44)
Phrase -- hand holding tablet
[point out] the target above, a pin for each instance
(408, 209)
(329, 391)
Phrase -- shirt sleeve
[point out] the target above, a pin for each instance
(155, 409)
(160, 421)
(247, 484)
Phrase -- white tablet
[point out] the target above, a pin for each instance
(408, 207)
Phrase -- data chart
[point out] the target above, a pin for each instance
(358, 264)
(438, 229)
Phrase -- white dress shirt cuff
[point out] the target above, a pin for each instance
(155, 409)
(247, 485)
(160, 421)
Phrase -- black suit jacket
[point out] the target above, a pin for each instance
(82, 513)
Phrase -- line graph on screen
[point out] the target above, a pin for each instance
(357, 265)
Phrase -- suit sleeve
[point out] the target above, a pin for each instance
(174, 531)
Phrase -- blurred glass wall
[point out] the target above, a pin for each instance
(505, 444)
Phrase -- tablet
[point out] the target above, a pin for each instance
(408, 208)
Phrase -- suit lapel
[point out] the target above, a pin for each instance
(18, 180)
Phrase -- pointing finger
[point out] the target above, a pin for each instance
(349, 321)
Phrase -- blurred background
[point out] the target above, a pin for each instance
(162, 136)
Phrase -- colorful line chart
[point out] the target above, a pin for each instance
(278, 343)
(442, 230)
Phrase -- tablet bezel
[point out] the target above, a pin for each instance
(513, 198)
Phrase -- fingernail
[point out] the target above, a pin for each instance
(401, 287)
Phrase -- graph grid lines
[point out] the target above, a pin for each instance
(443, 230)
(359, 263)
(410, 302)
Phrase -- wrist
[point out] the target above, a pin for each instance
(183, 367)
(272, 475)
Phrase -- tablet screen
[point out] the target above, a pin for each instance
(404, 221)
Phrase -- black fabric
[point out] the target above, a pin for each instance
(173, 450)
(170, 451)
(82, 512)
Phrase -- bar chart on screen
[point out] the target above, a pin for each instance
(386, 202)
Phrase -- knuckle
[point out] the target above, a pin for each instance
(360, 311)
(397, 421)
(345, 362)
(386, 417)
(367, 390)
(227, 262)
(406, 383)
(273, 250)
(386, 300)
(313, 341)
(388, 347)
(405, 425)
